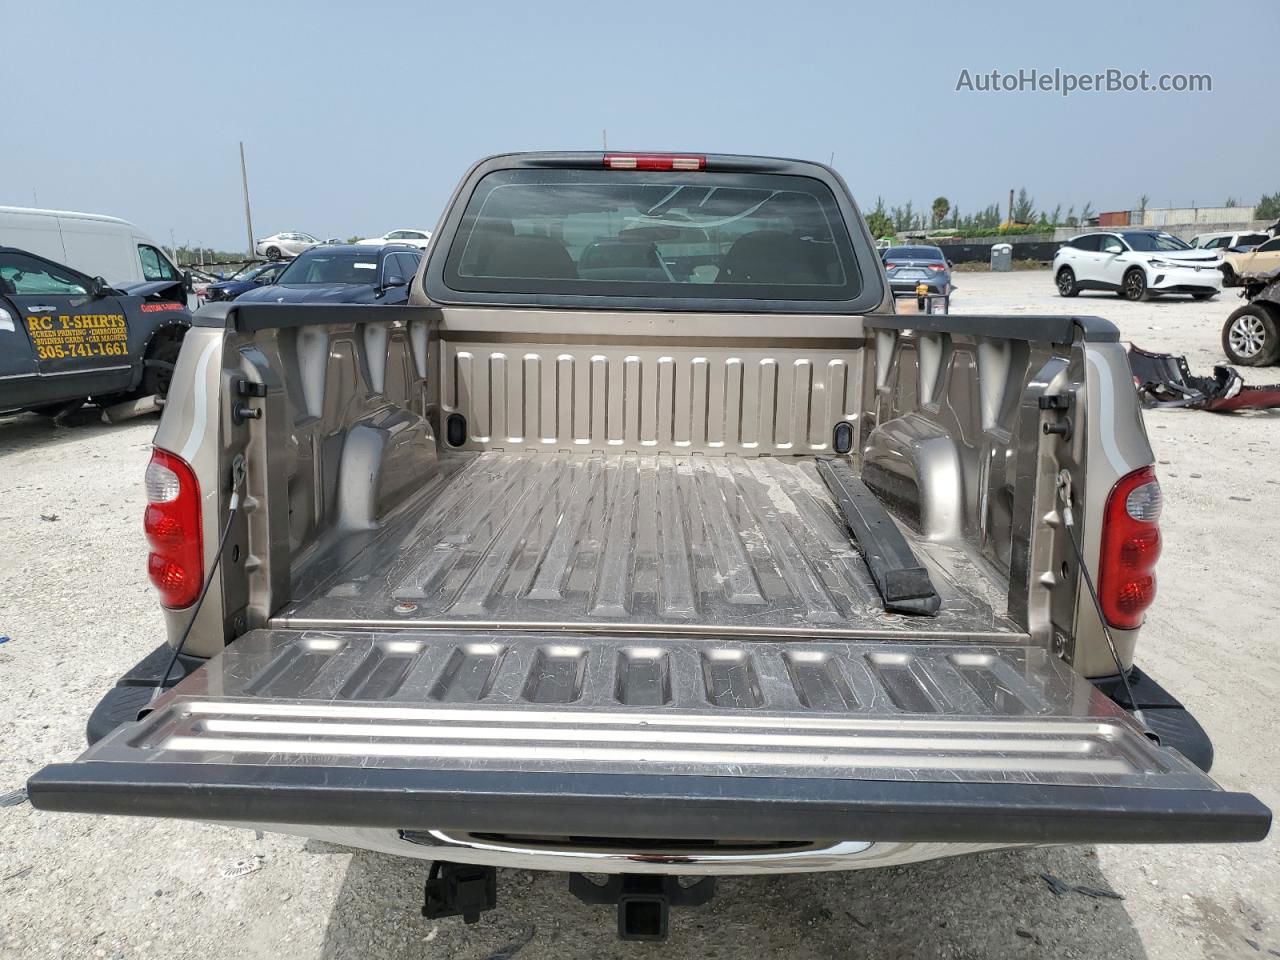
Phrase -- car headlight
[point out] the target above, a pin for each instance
(1162, 264)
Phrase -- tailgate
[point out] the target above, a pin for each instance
(690, 738)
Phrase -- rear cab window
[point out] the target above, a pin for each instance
(328, 266)
(654, 239)
(914, 253)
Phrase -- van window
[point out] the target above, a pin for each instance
(155, 266)
(23, 274)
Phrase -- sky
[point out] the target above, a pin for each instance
(358, 118)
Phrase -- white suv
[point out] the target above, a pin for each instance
(1222, 242)
(1137, 264)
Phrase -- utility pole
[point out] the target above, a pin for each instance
(604, 137)
(1011, 206)
(248, 217)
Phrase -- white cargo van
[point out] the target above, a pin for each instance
(100, 246)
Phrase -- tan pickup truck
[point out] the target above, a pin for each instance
(648, 542)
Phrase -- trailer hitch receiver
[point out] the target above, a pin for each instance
(459, 890)
(644, 901)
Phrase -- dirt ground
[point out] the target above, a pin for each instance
(77, 611)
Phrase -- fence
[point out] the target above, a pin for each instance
(978, 249)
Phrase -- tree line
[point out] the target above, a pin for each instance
(885, 221)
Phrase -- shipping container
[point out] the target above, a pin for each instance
(1168, 216)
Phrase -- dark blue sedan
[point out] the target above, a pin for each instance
(246, 278)
(344, 273)
(909, 268)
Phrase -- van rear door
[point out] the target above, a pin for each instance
(100, 247)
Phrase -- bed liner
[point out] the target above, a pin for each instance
(655, 544)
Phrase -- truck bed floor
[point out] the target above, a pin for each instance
(644, 544)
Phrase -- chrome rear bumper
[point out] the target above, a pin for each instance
(556, 856)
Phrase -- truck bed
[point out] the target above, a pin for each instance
(747, 545)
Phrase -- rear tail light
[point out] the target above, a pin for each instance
(891, 266)
(1130, 549)
(938, 266)
(172, 522)
(653, 161)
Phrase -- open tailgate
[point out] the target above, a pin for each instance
(644, 737)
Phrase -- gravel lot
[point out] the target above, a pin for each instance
(77, 610)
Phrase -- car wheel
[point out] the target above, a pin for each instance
(1208, 295)
(1229, 278)
(1135, 286)
(1066, 281)
(273, 253)
(1251, 336)
(161, 356)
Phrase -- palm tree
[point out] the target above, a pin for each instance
(941, 206)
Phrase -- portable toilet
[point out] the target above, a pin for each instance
(1001, 257)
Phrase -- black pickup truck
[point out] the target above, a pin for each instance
(66, 337)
